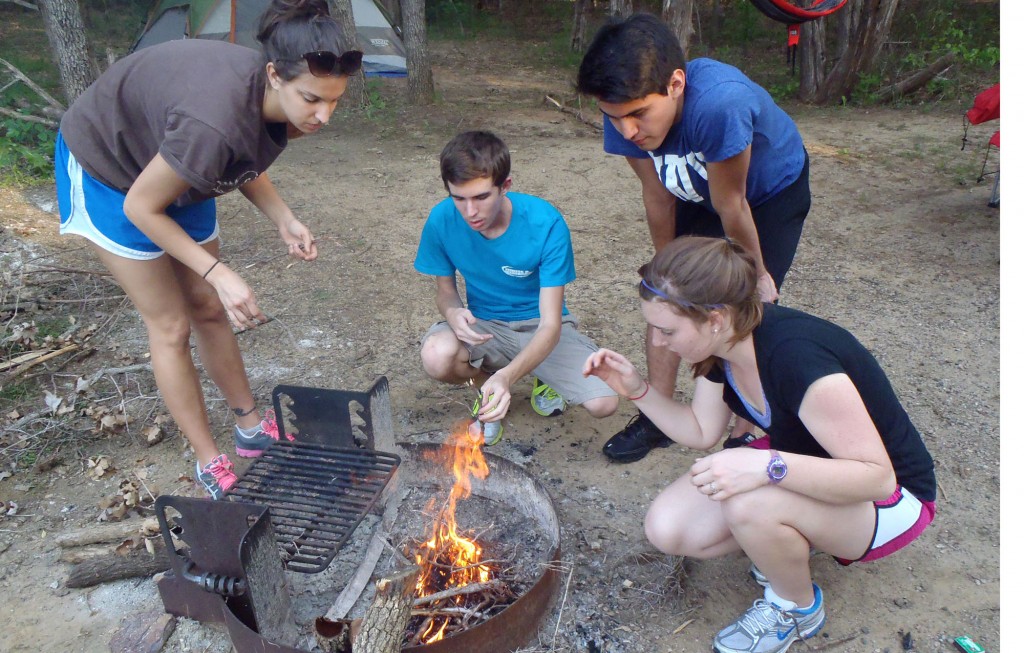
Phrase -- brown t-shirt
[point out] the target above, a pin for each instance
(198, 103)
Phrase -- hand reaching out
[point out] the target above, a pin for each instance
(237, 297)
(615, 369)
(299, 240)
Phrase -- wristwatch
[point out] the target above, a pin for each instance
(776, 468)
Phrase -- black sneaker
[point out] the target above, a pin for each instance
(739, 441)
(635, 441)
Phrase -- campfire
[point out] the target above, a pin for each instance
(457, 586)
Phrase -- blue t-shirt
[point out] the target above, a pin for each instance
(503, 275)
(723, 113)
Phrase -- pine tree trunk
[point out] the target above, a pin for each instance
(679, 16)
(870, 22)
(579, 25)
(811, 52)
(65, 30)
(342, 12)
(421, 80)
(620, 8)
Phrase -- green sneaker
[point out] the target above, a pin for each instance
(545, 400)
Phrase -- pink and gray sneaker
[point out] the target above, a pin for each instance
(251, 443)
(217, 477)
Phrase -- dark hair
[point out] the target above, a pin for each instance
(291, 28)
(475, 154)
(630, 59)
(696, 276)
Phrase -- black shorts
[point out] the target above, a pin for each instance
(779, 222)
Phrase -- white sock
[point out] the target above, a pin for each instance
(785, 604)
(249, 432)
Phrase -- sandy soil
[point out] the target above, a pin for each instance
(896, 248)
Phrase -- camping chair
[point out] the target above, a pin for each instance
(986, 107)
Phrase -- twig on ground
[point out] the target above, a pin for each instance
(561, 608)
(578, 115)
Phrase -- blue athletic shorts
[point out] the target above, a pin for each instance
(93, 210)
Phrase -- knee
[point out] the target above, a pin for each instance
(169, 332)
(206, 308)
(667, 532)
(602, 406)
(744, 509)
(439, 355)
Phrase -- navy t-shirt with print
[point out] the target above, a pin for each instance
(723, 113)
(793, 351)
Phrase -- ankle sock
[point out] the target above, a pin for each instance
(249, 432)
(785, 604)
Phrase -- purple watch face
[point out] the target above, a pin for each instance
(777, 469)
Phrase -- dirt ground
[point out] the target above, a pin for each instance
(897, 248)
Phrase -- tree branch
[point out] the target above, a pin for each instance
(32, 85)
(22, 3)
(4, 111)
(917, 80)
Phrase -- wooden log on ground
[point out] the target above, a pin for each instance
(917, 80)
(105, 568)
(109, 532)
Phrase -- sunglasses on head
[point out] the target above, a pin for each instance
(324, 63)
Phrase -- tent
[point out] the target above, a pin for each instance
(236, 21)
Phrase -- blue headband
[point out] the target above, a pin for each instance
(678, 302)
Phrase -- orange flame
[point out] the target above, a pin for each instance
(446, 558)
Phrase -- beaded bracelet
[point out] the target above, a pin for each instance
(647, 386)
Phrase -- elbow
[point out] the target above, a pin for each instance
(886, 485)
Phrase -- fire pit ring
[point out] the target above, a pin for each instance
(515, 627)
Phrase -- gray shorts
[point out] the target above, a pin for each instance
(562, 369)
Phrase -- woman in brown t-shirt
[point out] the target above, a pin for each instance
(140, 157)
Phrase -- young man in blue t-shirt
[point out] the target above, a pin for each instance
(515, 255)
(715, 157)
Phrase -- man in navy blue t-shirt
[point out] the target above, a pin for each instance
(715, 157)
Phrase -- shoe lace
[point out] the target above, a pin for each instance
(269, 426)
(221, 469)
(762, 617)
(637, 424)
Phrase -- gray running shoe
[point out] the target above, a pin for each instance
(492, 431)
(767, 628)
(253, 446)
(545, 400)
(217, 477)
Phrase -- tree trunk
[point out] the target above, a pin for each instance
(421, 80)
(342, 11)
(620, 8)
(870, 22)
(811, 52)
(579, 25)
(65, 30)
(679, 16)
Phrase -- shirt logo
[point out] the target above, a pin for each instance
(512, 272)
(675, 176)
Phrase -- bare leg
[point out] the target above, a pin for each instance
(446, 359)
(154, 289)
(216, 342)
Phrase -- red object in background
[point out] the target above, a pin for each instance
(986, 106)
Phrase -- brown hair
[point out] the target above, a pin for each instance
(289, 29)
(475, 154)
(696, 276)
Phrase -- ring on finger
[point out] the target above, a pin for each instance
(714, 488)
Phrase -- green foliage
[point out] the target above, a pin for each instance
(375, 104)
(26, 151)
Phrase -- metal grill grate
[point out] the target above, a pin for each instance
(317, 495)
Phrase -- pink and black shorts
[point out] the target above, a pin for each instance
(898, 521)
